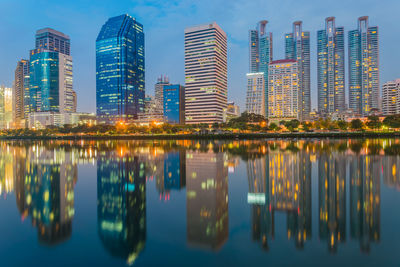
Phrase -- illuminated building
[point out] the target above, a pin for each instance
(21, 92)
(6, 107)
(150, 112)
(391, 171)
(51, 78)
(120, 70)
(297, 47)
(121, 204)
(261, 51)
(365, 199)
(48, 194)
(255, 97)
(283, 89)
(207, 199)
(206, 87)
(174, 104)
(332, 198)
(175, 170)
(364, 68)
(330, 68)
(162, 81)
(232, 111)
(391, 97)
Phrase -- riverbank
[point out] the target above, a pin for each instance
(228, 136)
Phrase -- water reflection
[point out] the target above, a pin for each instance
(121, 203)
(347, 179)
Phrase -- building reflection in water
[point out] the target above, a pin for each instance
(175, 170)
(332, 198)
(280, 181)
(121, 203)
(45, 181)
(207, 199)
(365, 199)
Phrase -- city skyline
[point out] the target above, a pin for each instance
(171, 54)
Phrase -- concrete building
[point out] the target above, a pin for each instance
(205, 74)
(255, 96)
(391, 97)
(162, 81)
(20, 92)
(232, 111)
(6, 107)
(283, 89)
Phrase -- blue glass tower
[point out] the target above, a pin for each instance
(174, 104)
(44, 82)
(120, 70)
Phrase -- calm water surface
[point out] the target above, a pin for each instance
(244, 203)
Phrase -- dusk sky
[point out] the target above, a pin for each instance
(164, 23)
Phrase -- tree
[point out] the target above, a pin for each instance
(343, 125)
(392, 121)
(356, 124)
(374, 122)
(273, 126)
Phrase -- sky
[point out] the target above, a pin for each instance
(164, 22)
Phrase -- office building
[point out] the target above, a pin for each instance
(51, 78)
(174, 104)
(120, 70)
(330, 69)
(297, 47)
(391, 97)
(261, 51)
(364, 68)
(283, 89)
(20, 92)
(6, 107)
(232, 111)
(255, 96)
(205, 74)
(159, 92)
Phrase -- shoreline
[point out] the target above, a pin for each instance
(228, 136)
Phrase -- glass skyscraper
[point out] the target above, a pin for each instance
(297, 47)
(51, 79)
(364, 68)
(120, 70)
(260, 49)
(331, 79)
(174, 103)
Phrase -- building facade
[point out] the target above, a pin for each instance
(20, 90)
(363, 44)
(391, 97)
(174, 104)
(260, 54)
(331, 79)
(255, 96)
(6, 107)
(159, 92)
(283, 89)
(205, 74)
(120, 70)
(50, 74)
(297, 47)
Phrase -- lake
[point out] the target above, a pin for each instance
(187, 202)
